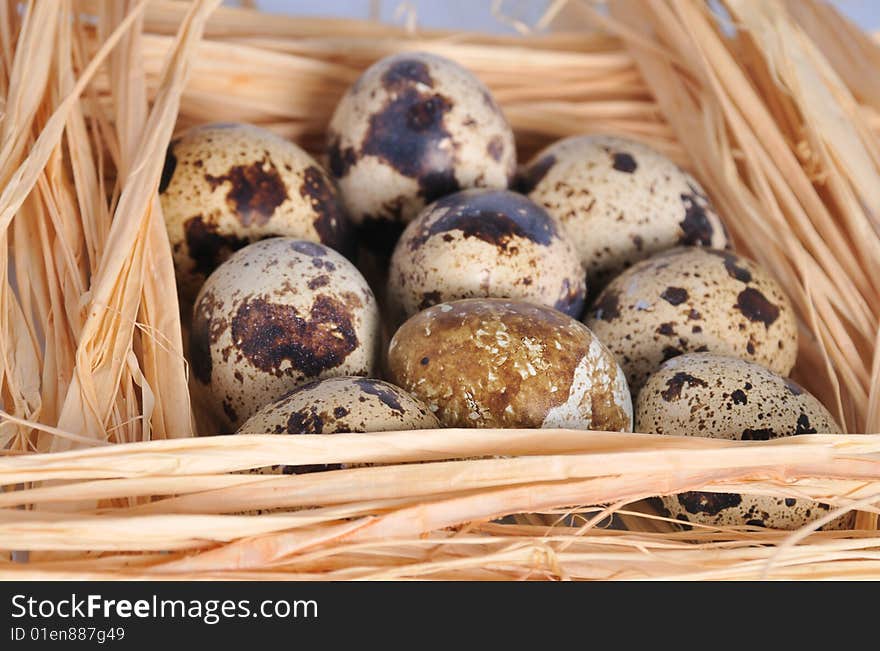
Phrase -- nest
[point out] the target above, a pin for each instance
(774, 106)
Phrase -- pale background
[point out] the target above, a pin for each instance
(476, 15)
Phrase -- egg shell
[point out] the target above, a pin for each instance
(413, 128)
(485, 243)
(227, 185)
(620, 201)
(693, 299)
(339, 404)
(702, 394)
(499, 363)
(277, 314)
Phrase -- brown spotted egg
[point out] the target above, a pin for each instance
(413, 128)
(694, 299)
(277, 314)
(499, 363)
(702, 394)
(620, 201)
(489, 243)
(226, 185)
(339, 404)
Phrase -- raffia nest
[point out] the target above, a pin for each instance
(774, 106)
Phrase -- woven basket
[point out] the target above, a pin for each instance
(774, 106)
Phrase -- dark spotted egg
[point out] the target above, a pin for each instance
(414, 127)
(226, 185)
(277, 314)
(701, 394)
(620, 201)
(484, 243)
(694, 299)
(339, 404)
(492, 362)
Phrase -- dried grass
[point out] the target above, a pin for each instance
(774, 106)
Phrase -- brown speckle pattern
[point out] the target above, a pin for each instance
(277, 339)
(330, 223)
(620, 201)
(674, 295)
(676, 383)
(623, 162)
(337, 405)
(412, 129)
(227, 185)
(701, 394)
(755, 306)
(207, 248)
(714, 301)
(607, 307)
(501, 363)
(253, 190)
(277, 314)
(697, 227)
(484, 243)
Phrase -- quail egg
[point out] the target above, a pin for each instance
(339, 404)
(620, 201)
(694, 299)
(493, 362)
(277, 314)
(226, 185)
(702, 394)
(485, 243)
(413, 128)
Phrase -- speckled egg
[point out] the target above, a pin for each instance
(413, 128)
(277, 314)
(484, 243)
(694, 299)
(339, 404)
(702, 394)
(620, 201)
(498, 363)
(226, 185)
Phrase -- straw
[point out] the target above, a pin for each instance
(774, 106)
